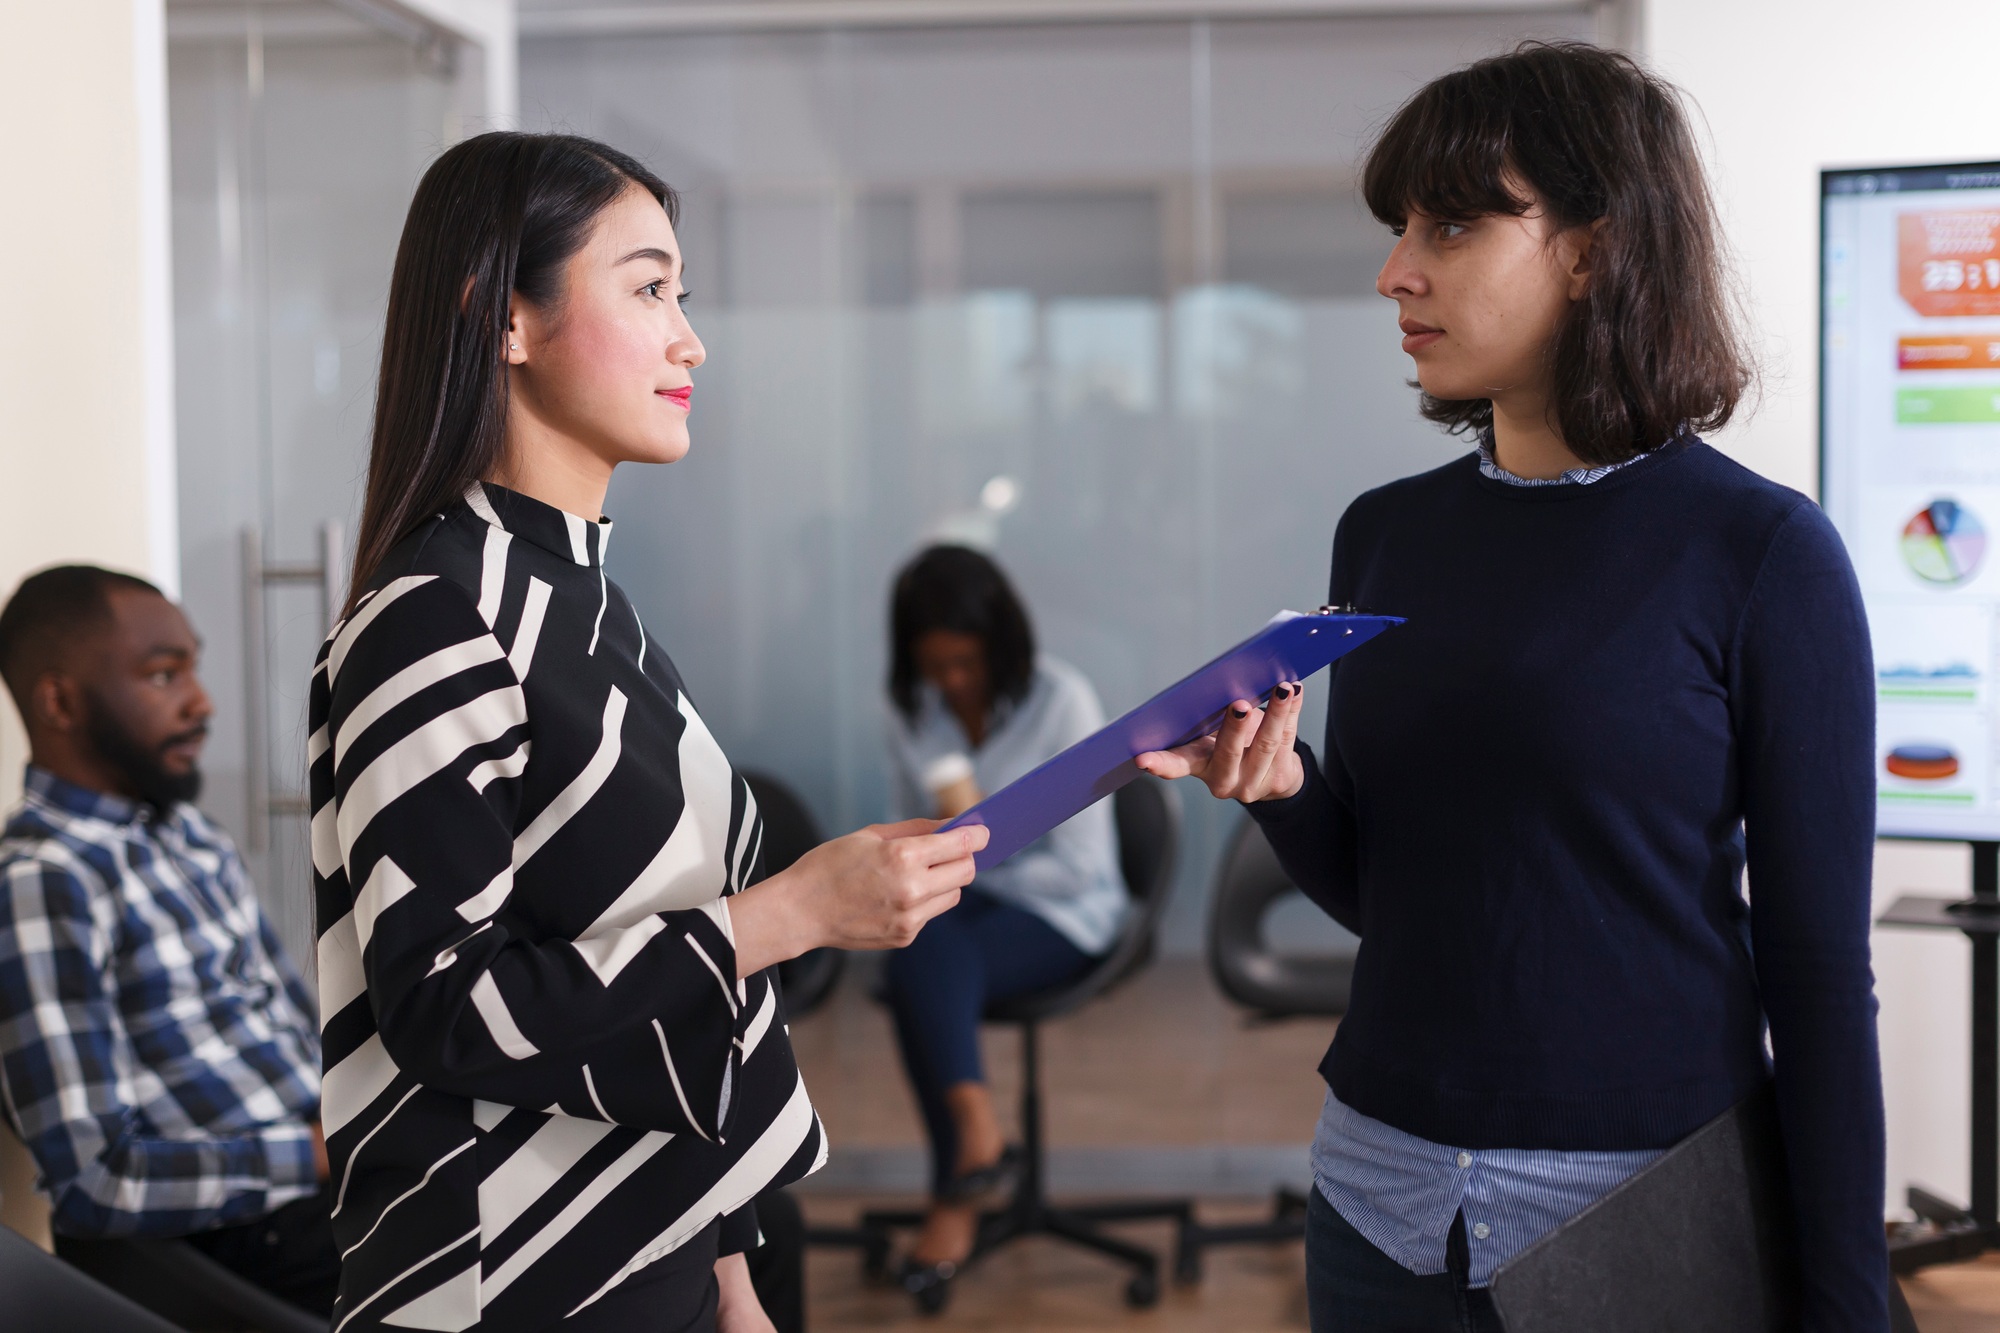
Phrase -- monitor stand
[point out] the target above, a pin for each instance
(1946, 1233)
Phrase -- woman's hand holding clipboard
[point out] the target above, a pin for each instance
(1191, 728)
(1249, 757)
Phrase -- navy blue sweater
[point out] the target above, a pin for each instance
(1536, 808)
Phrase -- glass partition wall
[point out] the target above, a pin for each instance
(297, 134)
(1099, 298)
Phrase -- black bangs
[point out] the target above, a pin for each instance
(1445, 156)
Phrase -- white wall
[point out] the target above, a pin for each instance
(86, 355)
(1789, 87)
(489, 27)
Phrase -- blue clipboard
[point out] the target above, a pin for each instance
(1290, 647)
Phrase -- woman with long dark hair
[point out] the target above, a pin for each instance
(1630, 667)
(973, 707)
(557, 1068)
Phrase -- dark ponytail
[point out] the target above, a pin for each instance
(497, 214)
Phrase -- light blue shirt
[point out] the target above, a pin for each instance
(1070, 877)
(1402, 1192)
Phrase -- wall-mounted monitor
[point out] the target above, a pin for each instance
(1910, 473)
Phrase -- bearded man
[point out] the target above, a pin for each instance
(158, 1054)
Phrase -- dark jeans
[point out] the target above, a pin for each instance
(1352, 1287)
(289, 1253)
(980, 951)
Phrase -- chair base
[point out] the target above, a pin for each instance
(1029, 1211)
(1287, 1222)
(1029, 1214)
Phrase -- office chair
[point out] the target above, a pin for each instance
(1148, 817)
(39, 1293)
(1248, 884)
(182, 1285)
(789, 833)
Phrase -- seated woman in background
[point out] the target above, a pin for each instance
(975, 708)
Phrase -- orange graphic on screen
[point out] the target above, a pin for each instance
(1979, 351)
(1948, 261)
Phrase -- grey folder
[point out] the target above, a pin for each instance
(1699, 1241)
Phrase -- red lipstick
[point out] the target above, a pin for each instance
(683, 395)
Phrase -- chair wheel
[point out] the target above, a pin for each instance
(1187, 1262)
(929, 1285)
(875, 1258)
(1143, 1291)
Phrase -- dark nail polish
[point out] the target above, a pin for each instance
(1239, 713)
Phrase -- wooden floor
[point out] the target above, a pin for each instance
(1164, 1063)
(1963, 1298)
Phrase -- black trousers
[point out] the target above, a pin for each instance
(673, 1294)
(289, 1253)
(677, 1294)
(778, 1266)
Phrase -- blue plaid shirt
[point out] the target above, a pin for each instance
(157, 1053)
(1403, 1192)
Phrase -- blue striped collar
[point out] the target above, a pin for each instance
(1490, 467)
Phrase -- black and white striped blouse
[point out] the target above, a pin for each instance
(541, 1072)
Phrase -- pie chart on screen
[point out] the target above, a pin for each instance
(1944, 543)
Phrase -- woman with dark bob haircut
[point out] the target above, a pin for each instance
(973, 707)
(1631, 668)
(557, 1067)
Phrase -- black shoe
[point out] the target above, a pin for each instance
(930, 1284)
(985, 1180)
